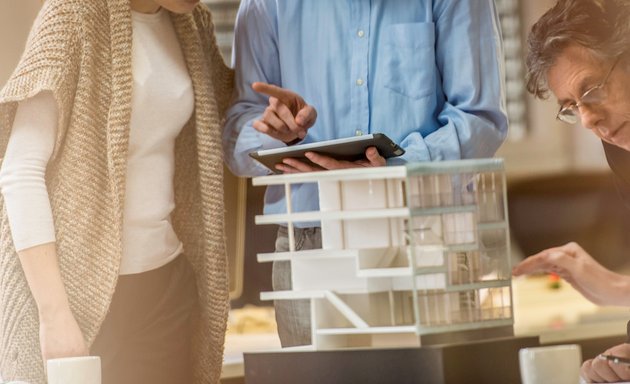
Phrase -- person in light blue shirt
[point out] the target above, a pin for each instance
(427, 73)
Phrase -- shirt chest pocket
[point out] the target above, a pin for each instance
(410, 59)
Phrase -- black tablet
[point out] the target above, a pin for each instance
(349, 149)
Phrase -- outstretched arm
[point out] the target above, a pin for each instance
(578, 268)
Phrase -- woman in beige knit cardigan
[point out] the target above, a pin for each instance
(111, 219)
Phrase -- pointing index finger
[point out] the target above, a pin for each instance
(274, 91)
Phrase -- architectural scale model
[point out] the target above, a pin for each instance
(412, 255)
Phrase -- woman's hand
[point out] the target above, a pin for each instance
(59, 332)
(60, 336)
(578, 268)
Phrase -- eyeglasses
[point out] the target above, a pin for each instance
(570, 113)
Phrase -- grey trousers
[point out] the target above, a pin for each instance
(293, 316)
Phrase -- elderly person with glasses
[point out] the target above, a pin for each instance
(579, 50)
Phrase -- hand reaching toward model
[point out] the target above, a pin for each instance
(578, 268)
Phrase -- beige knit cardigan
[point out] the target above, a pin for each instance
(81, 51)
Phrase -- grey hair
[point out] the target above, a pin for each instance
(601, 26)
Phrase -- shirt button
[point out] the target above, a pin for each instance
(358, 132)
(359, 82)
(360, 33)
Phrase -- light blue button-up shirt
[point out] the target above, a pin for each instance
(429, 74)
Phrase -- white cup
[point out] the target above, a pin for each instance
(558, 364)
(74, 370)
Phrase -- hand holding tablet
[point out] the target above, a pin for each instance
(346, 149)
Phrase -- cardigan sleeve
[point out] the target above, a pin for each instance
(49, 63)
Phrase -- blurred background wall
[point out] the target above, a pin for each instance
(16, 17)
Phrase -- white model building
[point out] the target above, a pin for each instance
(412, 255)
